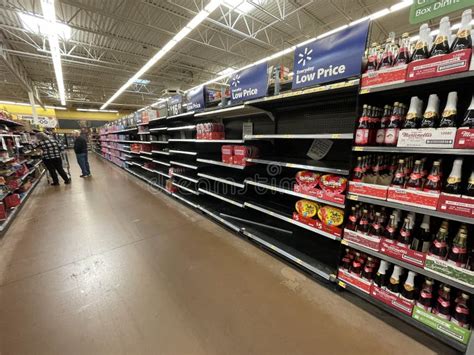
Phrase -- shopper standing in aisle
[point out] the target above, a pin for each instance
(80, 148)
(52, 157)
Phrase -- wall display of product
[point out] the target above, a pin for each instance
(366, 182)
(20, 167)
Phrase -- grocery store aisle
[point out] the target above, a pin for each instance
(103, 266)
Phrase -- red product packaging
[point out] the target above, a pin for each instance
(3, 212)
(354, 280)
(371, 190)
(392, 300)
(333, 183)
(12, 200)
(415, 198)
(388, 76)
(227, 154)
(461, 206)
(318, 193)
(145, 148)
(401, 252)
(441, 65)
(241, 152)
(308, 179)
(464, 138)
(317, 224)
(365, 240)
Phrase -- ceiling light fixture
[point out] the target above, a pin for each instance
(201, 16)
(40, 26)
(96, 110)
(28, 104)
(226, 71)
(49, 14)
(376, 15)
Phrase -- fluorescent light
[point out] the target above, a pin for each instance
(42, 27)
(95, 110)
(401, 5)
(374, 16)
(49, 14)
(142, 81)
(379, 14)
(332, 31)
(57, 108)
(226, 71)
(201, 16)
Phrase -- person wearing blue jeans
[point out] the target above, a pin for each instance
(80, 148)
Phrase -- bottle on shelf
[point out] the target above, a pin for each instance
(394, 281)
(443, 303)
(388, 56)
(399, 177)
(421, 50)
(381, 277)
(422, 239)
(376, 227)
(439, 247)
(358, 170)
(461, 315)
(408, 289)
(403, 56)
(392, 228)
(384, 122)
(369, 269)
(352, 220)
(431, 115)
(441, 43)
(433, 182)
(415, 181)
(468, 120)
(414, 116)
(449, 116)
(405, 233)
(372, 58)
(470, 185)
(363, 225)
(346, 260)
(362, 132)
(458, 252)
(393, 129)
(453, 183)
(463, 38)
(425, 300)
(356, 266)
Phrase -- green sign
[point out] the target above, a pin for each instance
(424, 10)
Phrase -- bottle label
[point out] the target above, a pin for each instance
(390, 230)
(430, 115)
(440, 39)
(433, 178)
(463, 33)
(462, 310)
(363, 222)
(415, 176)
(420, 45)
(362, 136)
(400, 175)
(353, 219)
(453, 180)
(411, 116)
(425, 294)
(457, 250)
(405, 233)
(444, 303)
(380, 137)
(448, 113)
(439, 244)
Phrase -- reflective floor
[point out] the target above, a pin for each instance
(105, 266)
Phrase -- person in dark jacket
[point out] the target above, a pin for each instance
(51, 154)
(80, 148)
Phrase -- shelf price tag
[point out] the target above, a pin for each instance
(344, 242)
(358, 149)
(342, 284)
(353, 197)
(364, 91)
(336, 136)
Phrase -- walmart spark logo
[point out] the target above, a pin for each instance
(305, 56)
(235, 80)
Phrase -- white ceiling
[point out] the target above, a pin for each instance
(112, 39)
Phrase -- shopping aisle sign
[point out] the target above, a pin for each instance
(332, 58)
(175, 105)
(424, 10)
(250, 83)
(196, 99)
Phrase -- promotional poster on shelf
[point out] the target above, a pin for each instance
(175, 104)
(332, 58)
(248, 84)
(196, 99)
